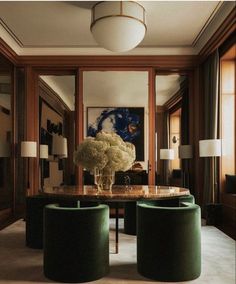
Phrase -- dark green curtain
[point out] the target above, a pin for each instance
(184, 113)
(210, 71)
(166, 144)
(185, 163)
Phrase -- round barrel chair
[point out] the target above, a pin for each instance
(130, 211)
(169, 241)
(76, 243)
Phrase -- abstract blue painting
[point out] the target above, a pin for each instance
(128, 122)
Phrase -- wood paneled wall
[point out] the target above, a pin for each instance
(35, 65)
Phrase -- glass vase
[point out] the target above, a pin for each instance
(104, 179)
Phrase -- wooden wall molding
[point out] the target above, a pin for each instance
(162, 62)
(151, 126)
(222, 33)
(32, 123)
(174, 100)
(8, 52)
(52, 98)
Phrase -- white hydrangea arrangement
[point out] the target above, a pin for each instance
(105, 151)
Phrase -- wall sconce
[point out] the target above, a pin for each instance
(175, 139)
(28, 150)
(185, 153)
(167, 154)
(43, 151)
(59, 146)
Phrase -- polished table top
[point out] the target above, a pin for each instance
(118, 192)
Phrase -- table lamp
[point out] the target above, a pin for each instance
(167, 154)
(28, 150)
(211, 148)
(185, 153)
(59, 146)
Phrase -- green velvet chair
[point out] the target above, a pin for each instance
(169, 242)
(76, 243)
(130, 217)
(34, 217)
(130, 211)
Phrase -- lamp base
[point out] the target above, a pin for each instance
(213, 213)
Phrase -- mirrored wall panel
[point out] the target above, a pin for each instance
(171, 126)
(6, 134)
(57, 129)
(117, 101)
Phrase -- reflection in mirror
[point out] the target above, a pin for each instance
(6, 193)
(171, 125)
(117, 101)
(56, 129)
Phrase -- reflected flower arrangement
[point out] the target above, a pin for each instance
(105, 151)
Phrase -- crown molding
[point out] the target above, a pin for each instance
(161, 62)
(8, 52)
(227, 28)
(170, 58)
(68, 62)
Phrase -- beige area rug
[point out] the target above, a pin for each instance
(21, 265)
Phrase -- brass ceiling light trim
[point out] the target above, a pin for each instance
(118, 26)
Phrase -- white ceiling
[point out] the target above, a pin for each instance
(64, 86)
(115, 88)
(63, 28)
(166, 87)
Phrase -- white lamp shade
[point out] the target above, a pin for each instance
(210, 148)
(43, 151)
(59, 146)
(185, 151)
(118, 25)
(28, 149)
(167, 154)
(4, 149)
(65, 149)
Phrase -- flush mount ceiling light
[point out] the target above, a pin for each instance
(118, 26)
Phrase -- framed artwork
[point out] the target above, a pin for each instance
(128, 122)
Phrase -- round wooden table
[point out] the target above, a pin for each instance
(118, 193)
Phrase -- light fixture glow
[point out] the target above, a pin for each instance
(43, 151)
(28, 149)
(59, 146)
(118, 26)
(167, 154)
(210, 148)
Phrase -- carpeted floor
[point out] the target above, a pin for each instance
(21, 265)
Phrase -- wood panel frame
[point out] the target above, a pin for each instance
(41, 65)
(32, 117)
(151, 122)
(32, 123)
(11, 71)
(194, 126)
